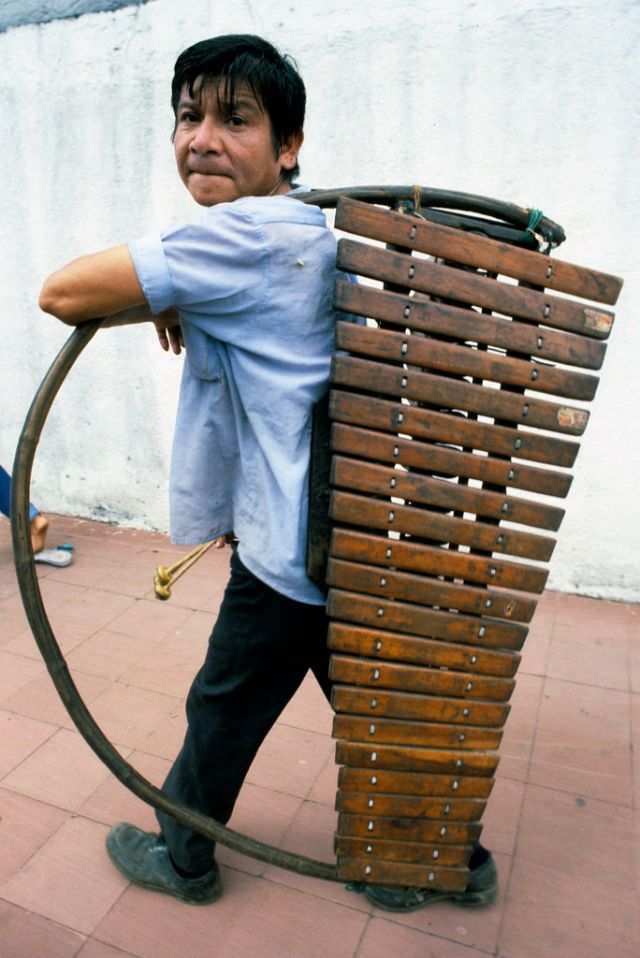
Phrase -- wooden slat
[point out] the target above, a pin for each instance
(413, 783)
(410, 806)
(434, 560)
(408, 758)
(470, 249)
(359, 577)
(413, 678)
(359, 476)
(467, 325)
(409, 852)
(396, 647)
(372, 826)
(355, 728)
(457, 430)
(415, 706)
(455, 284)
(422, 620)
(370, 513)
(413, 454)
(431, 354)
(397, 873)
(441, 391)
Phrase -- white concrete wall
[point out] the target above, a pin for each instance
(525, 100)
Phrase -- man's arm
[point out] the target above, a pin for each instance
(102, 284)
(106, 285)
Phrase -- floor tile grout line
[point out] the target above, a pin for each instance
(36, 851)
(52, 921)
(569, 791)
(357, 950)
(394, 918)
(54, 731)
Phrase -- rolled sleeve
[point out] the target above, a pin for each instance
(153, 272)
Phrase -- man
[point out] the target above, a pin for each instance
(251, 279)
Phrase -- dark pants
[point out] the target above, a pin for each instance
(261, 647)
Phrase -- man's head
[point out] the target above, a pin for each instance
(223, 89)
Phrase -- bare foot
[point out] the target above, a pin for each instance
(39, 527)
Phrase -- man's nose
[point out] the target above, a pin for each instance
(207, 137)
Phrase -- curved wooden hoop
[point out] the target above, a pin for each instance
(28, 580)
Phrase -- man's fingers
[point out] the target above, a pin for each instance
(175, 338)
(224, 540)
(162, 338)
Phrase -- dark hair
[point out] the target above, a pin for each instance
(236, 59)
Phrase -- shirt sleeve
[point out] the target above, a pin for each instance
(215, 260)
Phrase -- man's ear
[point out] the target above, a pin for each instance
(289, 150)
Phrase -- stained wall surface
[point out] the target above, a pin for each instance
(528, 100)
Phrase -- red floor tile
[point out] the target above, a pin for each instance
(69, 879)
(264, 815)
(634, 663)
(519, 732)
(583, 741)
(25, 825)
(39, 700)
(112, 802)
(64, 769)
(167, 669)
(110, 654)
(97, 949)
(325, 786)
(15, 673)
(476, 928)
(290, 760)
(583, 661)
(501, 817)
(578, 836)
(24, 935)
(19, 737)
(385, 937)
(151, 619)
(311, 834)
(550, 914)
(166, 741)
(92, 607)
(128, 715)
(68, 635)
(254, 918)
(309, 709)
(13, 618)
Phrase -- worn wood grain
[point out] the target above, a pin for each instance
(470, 249)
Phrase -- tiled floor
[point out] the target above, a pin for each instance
(562, 820)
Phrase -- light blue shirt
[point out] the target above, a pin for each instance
(253, 281)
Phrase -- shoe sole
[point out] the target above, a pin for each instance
(478, 899)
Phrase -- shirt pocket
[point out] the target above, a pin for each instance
(203, 354)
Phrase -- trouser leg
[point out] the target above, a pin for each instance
(260, 650)
(5, 496)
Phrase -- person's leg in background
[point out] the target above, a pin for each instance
(39, 523)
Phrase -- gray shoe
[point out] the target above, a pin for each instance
(481, 890)
(143, 857)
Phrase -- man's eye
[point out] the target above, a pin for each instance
(236, 120)
(188, 116)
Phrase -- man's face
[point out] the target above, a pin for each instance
(226, 151)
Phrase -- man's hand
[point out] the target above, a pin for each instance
(169, 332)
(226, 540)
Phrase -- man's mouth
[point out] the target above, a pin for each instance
(205, 171)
